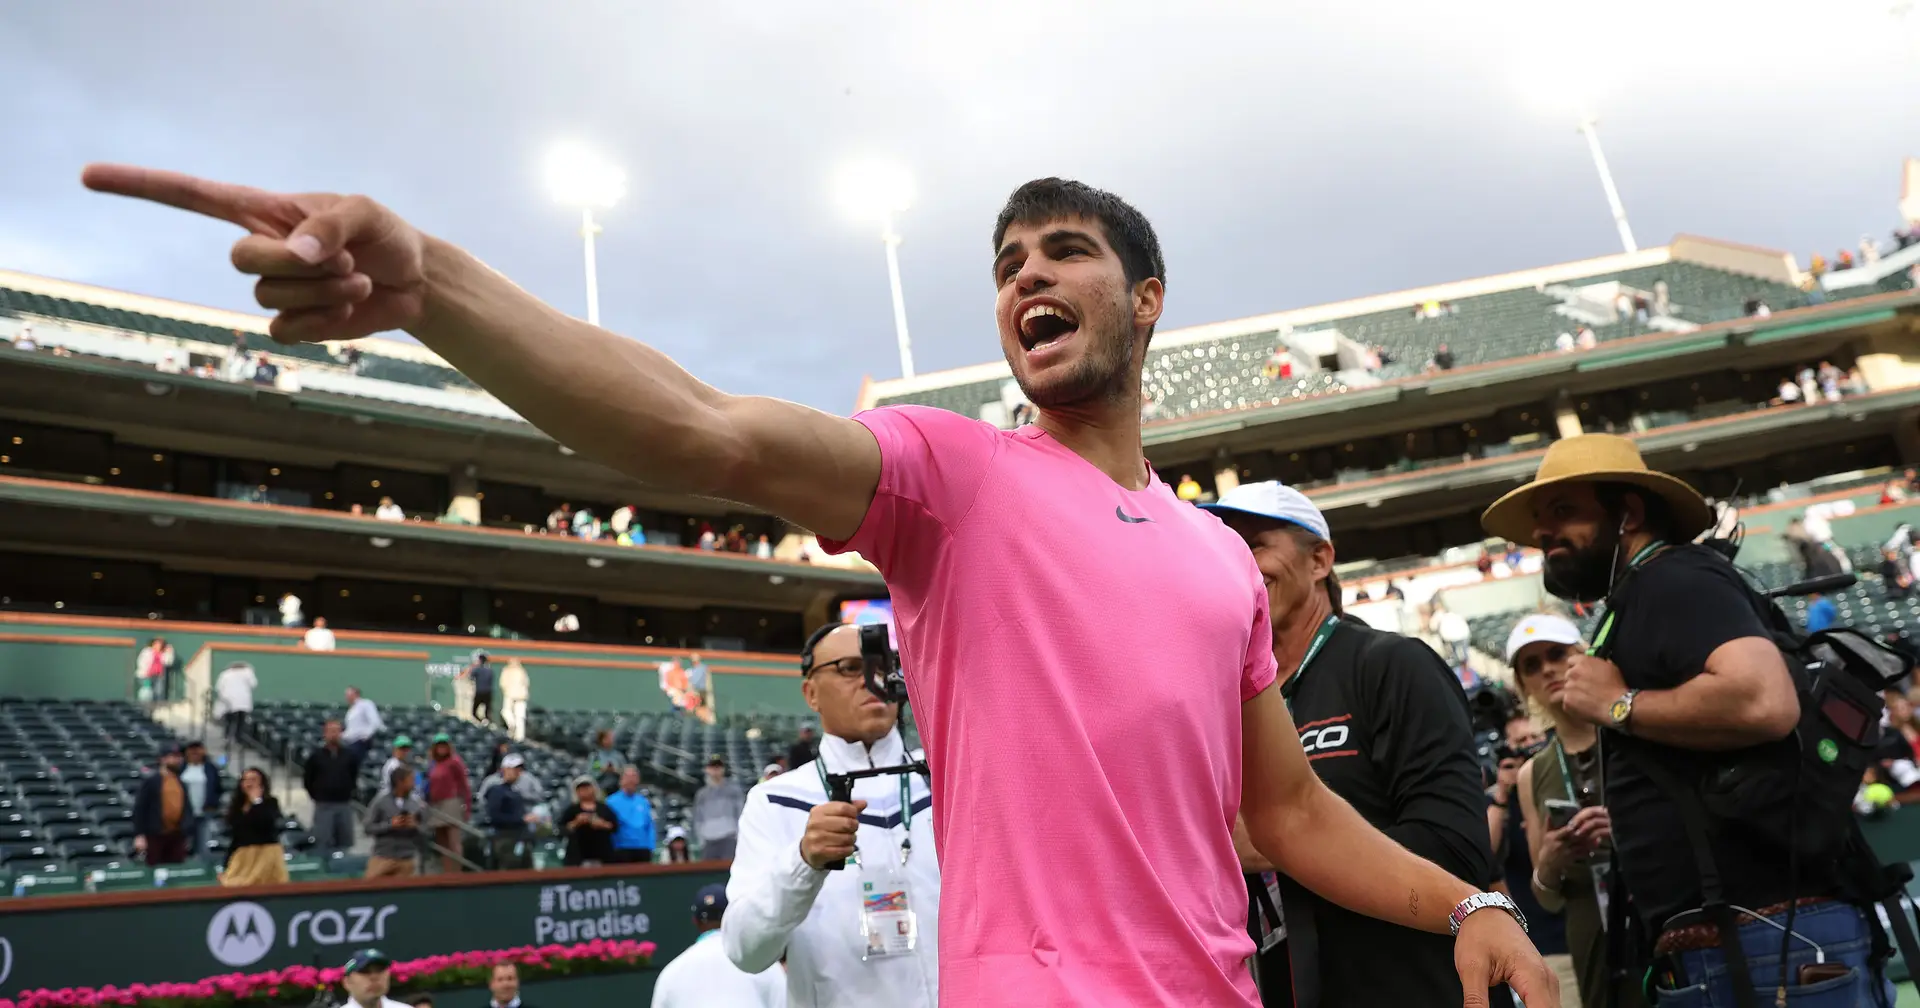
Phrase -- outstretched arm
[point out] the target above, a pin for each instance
(1313, 836)
(342, 267)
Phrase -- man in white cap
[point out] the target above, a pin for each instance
(1386, 726)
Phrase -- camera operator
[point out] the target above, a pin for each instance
(782, 900)
(1690, 688)
(1566, 828)
(1385, 725)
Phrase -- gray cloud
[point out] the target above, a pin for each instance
(1290, 153)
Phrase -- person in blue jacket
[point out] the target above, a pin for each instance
(633, 811)
(1821, 613)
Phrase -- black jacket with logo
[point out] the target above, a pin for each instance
(1384, 723)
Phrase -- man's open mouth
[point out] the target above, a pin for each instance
(1043, 324)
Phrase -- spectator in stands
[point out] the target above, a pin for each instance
(605, 761)
(233, 699)
(253, 821)
(150, 671)
(163, 813)
(393, 822)
(1455, 633)
(707, 539)
(589, 825)
(402, 757)
(773, 769)
(1893, 492)
(1541, 649)
(678, 851)
(500, 751)
(1788, 394)
(291, 615)
(560, 519)
(1830, 378)
(509, 818)
(702, 976)
(1443, 358)
(1563, 343)
(1809, 386)
(802, 751)
(1843, 260)
(1855, 384)
(1188, 489)
(1814, 559)
(633, 815)
(515, 687)
(482, 674)
(1484, 563)
(716, 812)
(698, 678)
(362, 724)
(265, 371)
(1279, 365)
(763, 548)
(1821, 614)
(318, 637)
(736, 540)
(1896, 575)
(621, 520)
(1756, 308)
(450, 794)
(389, 511)
(23, 339)
(205, 786)
(1398, 747)
(1820, 530)
(329, 775)
(1584, 338)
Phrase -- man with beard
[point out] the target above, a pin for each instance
(1691, 683)
(1084, 810)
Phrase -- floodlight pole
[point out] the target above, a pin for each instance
(891, 239)
(587, 230)
(1606, 182)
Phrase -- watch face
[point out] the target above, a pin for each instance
(1619, 711)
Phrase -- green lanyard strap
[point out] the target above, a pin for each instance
(1313, 650)
(906, 802)
(1606, 622)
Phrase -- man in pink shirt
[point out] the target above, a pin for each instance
(1084, 796)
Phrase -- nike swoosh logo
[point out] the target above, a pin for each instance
(1125, 517)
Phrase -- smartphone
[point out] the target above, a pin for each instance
(1560, 812)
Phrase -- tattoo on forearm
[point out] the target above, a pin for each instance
(1413, 902)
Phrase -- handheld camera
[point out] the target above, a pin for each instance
(884, 680)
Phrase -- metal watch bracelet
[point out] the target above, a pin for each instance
(1482, 901)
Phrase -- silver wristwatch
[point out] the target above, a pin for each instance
(1481, 901)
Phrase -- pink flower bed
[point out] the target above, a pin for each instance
(296, 984)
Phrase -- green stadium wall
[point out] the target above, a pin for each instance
(93, 658)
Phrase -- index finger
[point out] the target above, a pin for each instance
(235, 204)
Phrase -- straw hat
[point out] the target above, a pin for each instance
(1596, 458)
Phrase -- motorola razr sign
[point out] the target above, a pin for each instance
(217, 932)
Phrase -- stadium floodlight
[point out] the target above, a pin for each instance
(1587, 128)
(878, 192)
(580, 177)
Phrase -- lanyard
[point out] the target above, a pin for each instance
(1606, 624)
(906, 802)
(1313, 650)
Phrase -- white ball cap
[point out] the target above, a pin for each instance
(1272, 499)
(1541, 627)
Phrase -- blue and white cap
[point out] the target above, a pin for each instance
(1272, 499)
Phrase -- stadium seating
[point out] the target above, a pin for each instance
(372, 365)
(1225, 373)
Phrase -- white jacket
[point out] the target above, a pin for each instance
(777, 904)
(233, 688)
(702, 977)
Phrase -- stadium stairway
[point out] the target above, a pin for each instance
(282, 778)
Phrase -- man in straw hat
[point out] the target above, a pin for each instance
(1686, 679)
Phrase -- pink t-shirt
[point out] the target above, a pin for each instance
(1077, 655)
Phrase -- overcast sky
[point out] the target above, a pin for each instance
(1288, 153)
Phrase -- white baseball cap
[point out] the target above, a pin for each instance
(1276, 500)
(1541, 627)
(511, 760)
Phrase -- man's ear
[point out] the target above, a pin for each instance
(1149, 300)
(1322, 559)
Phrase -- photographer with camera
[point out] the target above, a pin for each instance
(1734, 854)
(782, 898)
(1385, 725)
(1559, 803)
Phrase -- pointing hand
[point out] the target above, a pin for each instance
(333, 267)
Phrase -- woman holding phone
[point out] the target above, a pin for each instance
(1560, 803)
(253, 819)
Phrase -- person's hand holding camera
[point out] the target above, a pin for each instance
(1503, 781)
(831, 829)
(1561, 848)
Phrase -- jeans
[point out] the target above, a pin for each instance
(483, 707)
(1841, 931)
